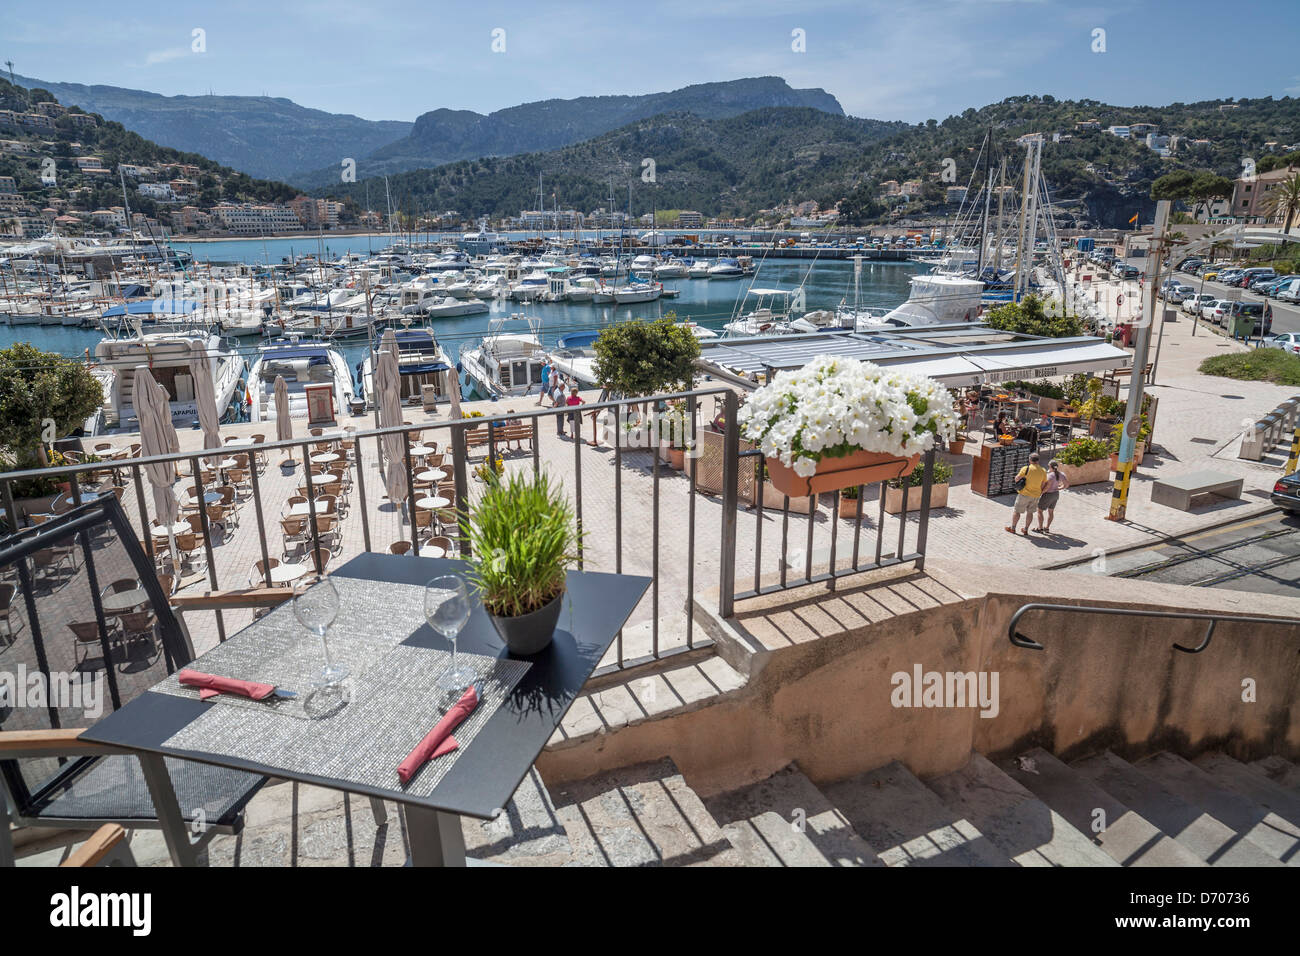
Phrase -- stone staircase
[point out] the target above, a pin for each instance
(1033, 810)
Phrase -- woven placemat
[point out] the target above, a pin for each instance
(373, 617)
(393, 703)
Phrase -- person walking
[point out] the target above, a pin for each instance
(1053, 484)
(557, 399)
(575, 419)
(546, 382)
(1029, 486)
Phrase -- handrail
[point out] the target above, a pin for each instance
(1019, 640)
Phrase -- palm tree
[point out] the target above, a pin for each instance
(1285, 201)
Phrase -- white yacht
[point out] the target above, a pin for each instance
(634, 292)
(168, 356)
(492, 286)
(727, 268)
(583, 289)
(674, 268)
(302, 363)
(530, 287)
(447, 306)
(934, 300)
(699, 269)
(421, 361)
(644, 265)
(575, 356)
(505, 364)
(769, 313)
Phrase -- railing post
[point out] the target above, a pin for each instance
(261, 522)
(730, 475)
(458, 452)
(924, 523)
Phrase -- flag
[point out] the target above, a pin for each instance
(1134, 219)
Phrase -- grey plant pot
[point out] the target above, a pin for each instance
(529, 633)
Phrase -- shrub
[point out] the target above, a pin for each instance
(942, 473)
(1258, 365)
(1080, 451)
(643, 358)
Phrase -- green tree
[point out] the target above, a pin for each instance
(43, 396)
(1030, 317)
(1198, 188)
(644, 358)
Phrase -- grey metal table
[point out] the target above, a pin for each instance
(485, 774)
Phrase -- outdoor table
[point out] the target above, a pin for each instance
(304, 508)
(161, 531)
(324, 458)
(238, 442)
(419, 451)
(284, 573)
(434, 501)
(433, 551)
(433, 474)
(124, 600)
(495, 755)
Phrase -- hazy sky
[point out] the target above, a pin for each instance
(908, 59)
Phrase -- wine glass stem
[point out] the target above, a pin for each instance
(325, 648)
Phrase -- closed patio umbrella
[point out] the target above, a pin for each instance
(205, 395)
(157, 437)
(388, 397)
(283, 423)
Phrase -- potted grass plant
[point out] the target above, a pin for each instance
(522, 528)
(849, 499)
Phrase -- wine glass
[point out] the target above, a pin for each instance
(446, 608)
(316, 606)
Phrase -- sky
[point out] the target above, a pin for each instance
(906, 60)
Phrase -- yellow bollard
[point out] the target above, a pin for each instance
(1295, 453)
(1119, 496)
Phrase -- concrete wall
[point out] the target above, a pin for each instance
(819, 666)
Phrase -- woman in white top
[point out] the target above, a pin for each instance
(1053, 484)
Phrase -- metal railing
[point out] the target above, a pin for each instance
(1019, 640)
(466, 437)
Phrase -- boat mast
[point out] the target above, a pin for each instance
(997, 249)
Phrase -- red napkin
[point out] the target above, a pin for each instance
(212, 685)
(438, 741)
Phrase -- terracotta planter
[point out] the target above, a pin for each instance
(676, 458)
(957, 446)
(774, 499)
(849, 507)
(1087, 473)
(894, 498)
(859, 468)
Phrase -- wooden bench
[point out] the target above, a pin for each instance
(1115, 374)
(502, 434)
(1178, 491)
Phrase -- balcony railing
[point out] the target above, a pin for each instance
(632, 517)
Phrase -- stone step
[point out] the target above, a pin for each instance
(906, 823)
(1250, 782)
(1280, 770)
(642, 815)
(527, 832)
(786, 821)
(1125, 836)
(1208, 838)
(1014, 820)
(1277, 837)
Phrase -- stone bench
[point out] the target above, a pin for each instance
(1178, 491)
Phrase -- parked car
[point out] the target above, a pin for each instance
(1178, 294)
(1216, 311)
(1194, 303)
(1228, 276)
(1277, 286)
(1290, 292)
(1286, 492)
(1250, 275)
(1287, 341)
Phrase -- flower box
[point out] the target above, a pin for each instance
(858, 468)
(1087, 473)
(894, 498)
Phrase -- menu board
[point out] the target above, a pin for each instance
(994, 472)
(320, 404)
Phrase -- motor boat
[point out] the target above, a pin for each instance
(505, 364)
(727, 268)
(673, 269)
(302, 364)
(421, 361)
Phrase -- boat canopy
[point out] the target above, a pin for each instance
(578, 340)
(153, 307)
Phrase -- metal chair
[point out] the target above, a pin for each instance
(50, 777)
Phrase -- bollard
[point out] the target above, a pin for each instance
(1252, 443)
(1272, 430)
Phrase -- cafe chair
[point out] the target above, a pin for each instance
(51, 778)
(400, 547)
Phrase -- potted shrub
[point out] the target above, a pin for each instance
(938, 489)
(1117, 433)
(522, 529)
(849, 502)
(836, 422)
(1085, 460)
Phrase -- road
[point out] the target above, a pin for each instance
(1286, 317)
(1259, 554)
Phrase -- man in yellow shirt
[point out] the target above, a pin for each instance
(1033, 475)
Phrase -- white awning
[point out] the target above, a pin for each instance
(1048, 362)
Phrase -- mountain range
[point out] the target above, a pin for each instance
(275, 138)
